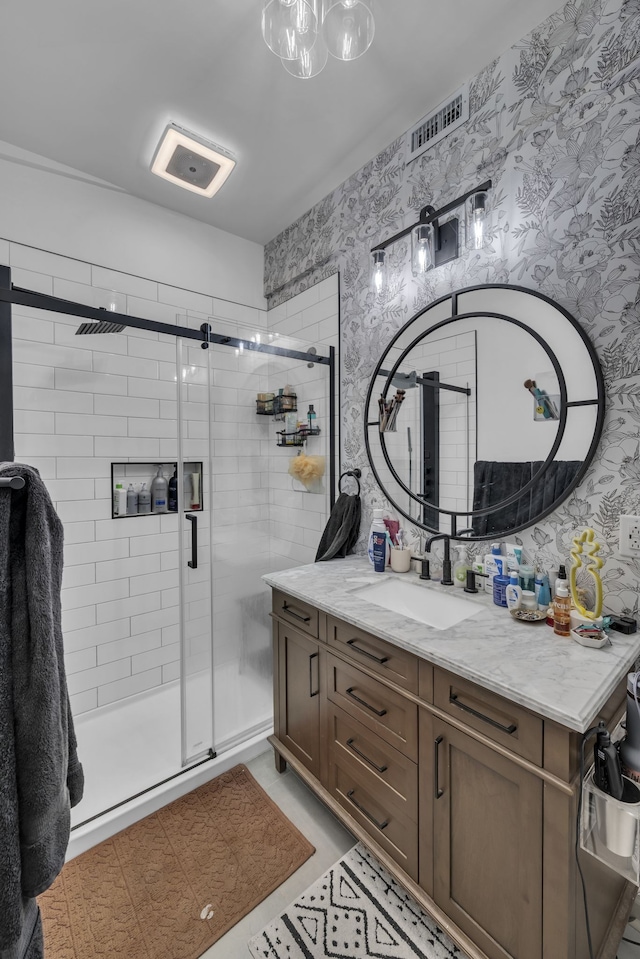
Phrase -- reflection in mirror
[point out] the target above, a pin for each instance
(490, 404)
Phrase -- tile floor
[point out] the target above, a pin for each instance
(331, 840)
(321, 828)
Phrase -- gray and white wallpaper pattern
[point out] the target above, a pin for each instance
(555, 123)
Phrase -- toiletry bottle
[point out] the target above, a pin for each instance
(159, 493)
(379, 544)
(311, 419)
(377, 526)
(122, 501)
(561, 609)
(538, 583)
(116, 499)
(500, 586)
(144, 499)
(527, 577)
(562, 575)
(460, 572)
(494, 563)
(529, 599)
(513, 592)
(132, 501)
(544, 594)
(173, 492)
(195, 491)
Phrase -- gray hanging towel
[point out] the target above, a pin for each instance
(341, 532)
(40, 775)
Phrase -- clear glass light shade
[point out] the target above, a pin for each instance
(348, 27)
(309, 63)
(289, 27)
(421, 249)
(476, 221)
(378, 271)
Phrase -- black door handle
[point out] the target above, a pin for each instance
(313, 692)
(193, 562)
(453, 698)
(378, 712)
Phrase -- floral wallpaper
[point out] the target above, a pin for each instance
(555, 123)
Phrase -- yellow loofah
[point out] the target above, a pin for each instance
(307, 469)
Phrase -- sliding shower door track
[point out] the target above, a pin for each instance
(143, 792)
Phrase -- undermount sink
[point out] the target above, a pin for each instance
(429, 606)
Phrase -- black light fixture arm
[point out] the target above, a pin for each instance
(429, 215)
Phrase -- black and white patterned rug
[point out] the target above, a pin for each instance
(356, 910)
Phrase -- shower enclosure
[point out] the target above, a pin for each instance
(165, 618)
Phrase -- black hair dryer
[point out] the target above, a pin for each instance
(607, 774)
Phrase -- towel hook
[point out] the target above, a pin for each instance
(356, 474)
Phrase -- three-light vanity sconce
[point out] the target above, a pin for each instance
(434, 243)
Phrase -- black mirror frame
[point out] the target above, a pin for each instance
(599, 402)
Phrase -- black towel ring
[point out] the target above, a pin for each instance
(356, 474)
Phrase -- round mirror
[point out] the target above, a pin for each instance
(484, 411)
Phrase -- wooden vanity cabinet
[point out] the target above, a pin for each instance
(468, 799)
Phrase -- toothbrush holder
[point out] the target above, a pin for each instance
(401, 559)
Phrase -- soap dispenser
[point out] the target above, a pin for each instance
(460, 571)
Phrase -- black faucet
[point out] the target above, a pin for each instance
(446, 561)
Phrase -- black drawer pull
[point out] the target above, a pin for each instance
(376, 659)
(378, 825)
(289, 610)
(378, 712)
(436, 768)
(380, 769)
(453, 698)
(313, 692)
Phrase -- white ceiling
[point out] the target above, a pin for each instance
(92, 84)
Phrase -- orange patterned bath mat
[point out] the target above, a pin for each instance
(172, 884)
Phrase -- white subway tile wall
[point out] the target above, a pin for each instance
(83, 402)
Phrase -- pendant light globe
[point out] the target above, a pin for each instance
(289, 27)
(348, 27)
(309, 63)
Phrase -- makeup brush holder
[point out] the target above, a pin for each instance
(610, 828)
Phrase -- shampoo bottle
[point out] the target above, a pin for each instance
(132, 501)
(173, 492)
(144, 499)
(159, 493)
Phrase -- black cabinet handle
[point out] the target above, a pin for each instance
(380, 825)
(378, 712)
(436, 767)
(453, 698)
(313, 692)
(289, 610)
(380, 769)
(376, 659)
(193, 562)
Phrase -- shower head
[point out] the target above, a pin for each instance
(100, 326)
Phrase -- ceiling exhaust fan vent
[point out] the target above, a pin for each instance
(448, 116)
(190, 161)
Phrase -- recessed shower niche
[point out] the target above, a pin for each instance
(140, 476)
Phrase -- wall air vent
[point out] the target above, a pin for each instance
(448, 116)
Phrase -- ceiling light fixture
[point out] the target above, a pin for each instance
(191, 161)
(434, 243)
(304, 32)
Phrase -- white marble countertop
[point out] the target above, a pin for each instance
(525, 662)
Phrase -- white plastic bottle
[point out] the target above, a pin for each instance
(116, 500)
(377, 526)
(159, 493)
(495, 564)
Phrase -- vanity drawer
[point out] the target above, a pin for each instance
(296, 612)
(360, 797)
(391, 776)
(384, 658)
(382, 710)
(497, 718)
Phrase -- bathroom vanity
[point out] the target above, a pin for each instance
(452, 753)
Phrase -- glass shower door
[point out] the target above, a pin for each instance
(194, 512)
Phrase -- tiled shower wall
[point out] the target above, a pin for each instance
(81, 403)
